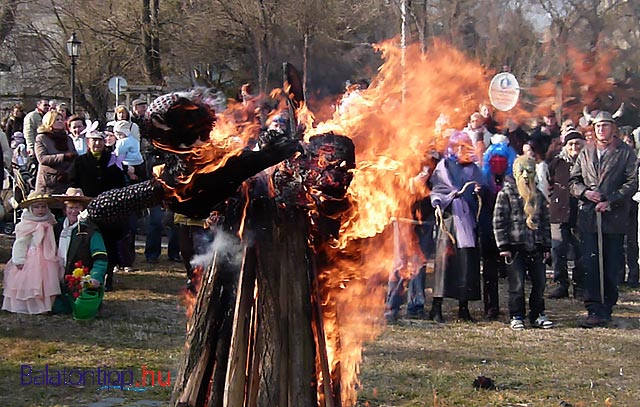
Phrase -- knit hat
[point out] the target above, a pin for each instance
(572, 134)
(122, 126)
(499, 138)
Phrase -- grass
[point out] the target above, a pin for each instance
(420, 363)
(413, 363)
(142, 323)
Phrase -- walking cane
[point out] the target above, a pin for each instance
(600, 254)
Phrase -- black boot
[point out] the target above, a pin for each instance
(436, 311)
(108, 281)
(463, 312)
(561, 291)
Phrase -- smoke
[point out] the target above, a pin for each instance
(225, 245)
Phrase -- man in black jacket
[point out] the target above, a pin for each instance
(563, 211)
(603, 178)
(95, 172)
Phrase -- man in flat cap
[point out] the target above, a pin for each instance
(603, 179)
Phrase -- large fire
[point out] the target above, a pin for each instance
(393, 126)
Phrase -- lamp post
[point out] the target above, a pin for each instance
(73, 50)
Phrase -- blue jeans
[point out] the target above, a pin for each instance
(399, 288)
(153, 243)
(613, 262)
(532, 263)
(563, 237)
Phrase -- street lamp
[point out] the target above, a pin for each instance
(73, 50)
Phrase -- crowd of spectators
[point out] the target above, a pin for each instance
(68, 152)
(509, 199)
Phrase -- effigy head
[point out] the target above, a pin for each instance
(180, 120)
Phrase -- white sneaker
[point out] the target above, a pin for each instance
(116, 269)
(517, 323)
(128, 269)
(542, 322)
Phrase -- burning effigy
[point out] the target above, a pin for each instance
(309, 206)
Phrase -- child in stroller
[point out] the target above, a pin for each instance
(22, 180)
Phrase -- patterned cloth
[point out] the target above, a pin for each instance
(510, 226)
(161, 105)
(117, 204)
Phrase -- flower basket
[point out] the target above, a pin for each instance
(86, 306)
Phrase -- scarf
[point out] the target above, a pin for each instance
(65, 240)
(60, 139)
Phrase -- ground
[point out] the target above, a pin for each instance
(413, 363)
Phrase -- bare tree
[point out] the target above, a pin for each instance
(151, 40)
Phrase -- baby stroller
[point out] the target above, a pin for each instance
(20, 182)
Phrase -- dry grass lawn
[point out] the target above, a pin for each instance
(413, 363)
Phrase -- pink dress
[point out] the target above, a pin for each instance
(33, 289)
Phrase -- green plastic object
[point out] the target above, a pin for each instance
(86, 306)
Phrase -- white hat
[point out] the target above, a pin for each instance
(122, 126)
(499, 138)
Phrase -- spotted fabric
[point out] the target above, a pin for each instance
(161, 105)
(117, 204)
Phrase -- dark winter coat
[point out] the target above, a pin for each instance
(517, 138)
(510, 226)
(95, 176)
(542, 141)
(616, 179)
(563, 207)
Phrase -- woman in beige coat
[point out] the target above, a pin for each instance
(55, 153)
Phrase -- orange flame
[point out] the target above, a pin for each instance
(189, 297)
(392, 124)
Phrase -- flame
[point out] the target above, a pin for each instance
(189, 296)
(393, 124)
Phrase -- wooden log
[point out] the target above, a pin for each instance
(236, 380)
(196, 363)
(204, 356)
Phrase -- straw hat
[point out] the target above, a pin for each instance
(74, 195)
(36, 197)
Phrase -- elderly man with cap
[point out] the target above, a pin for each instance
(96, 172)
(79, 240)
(563, 213)
(603, 179)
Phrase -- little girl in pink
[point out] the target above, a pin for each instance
(32, 276)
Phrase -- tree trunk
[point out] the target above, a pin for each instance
(151, 41)
(7, 18)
